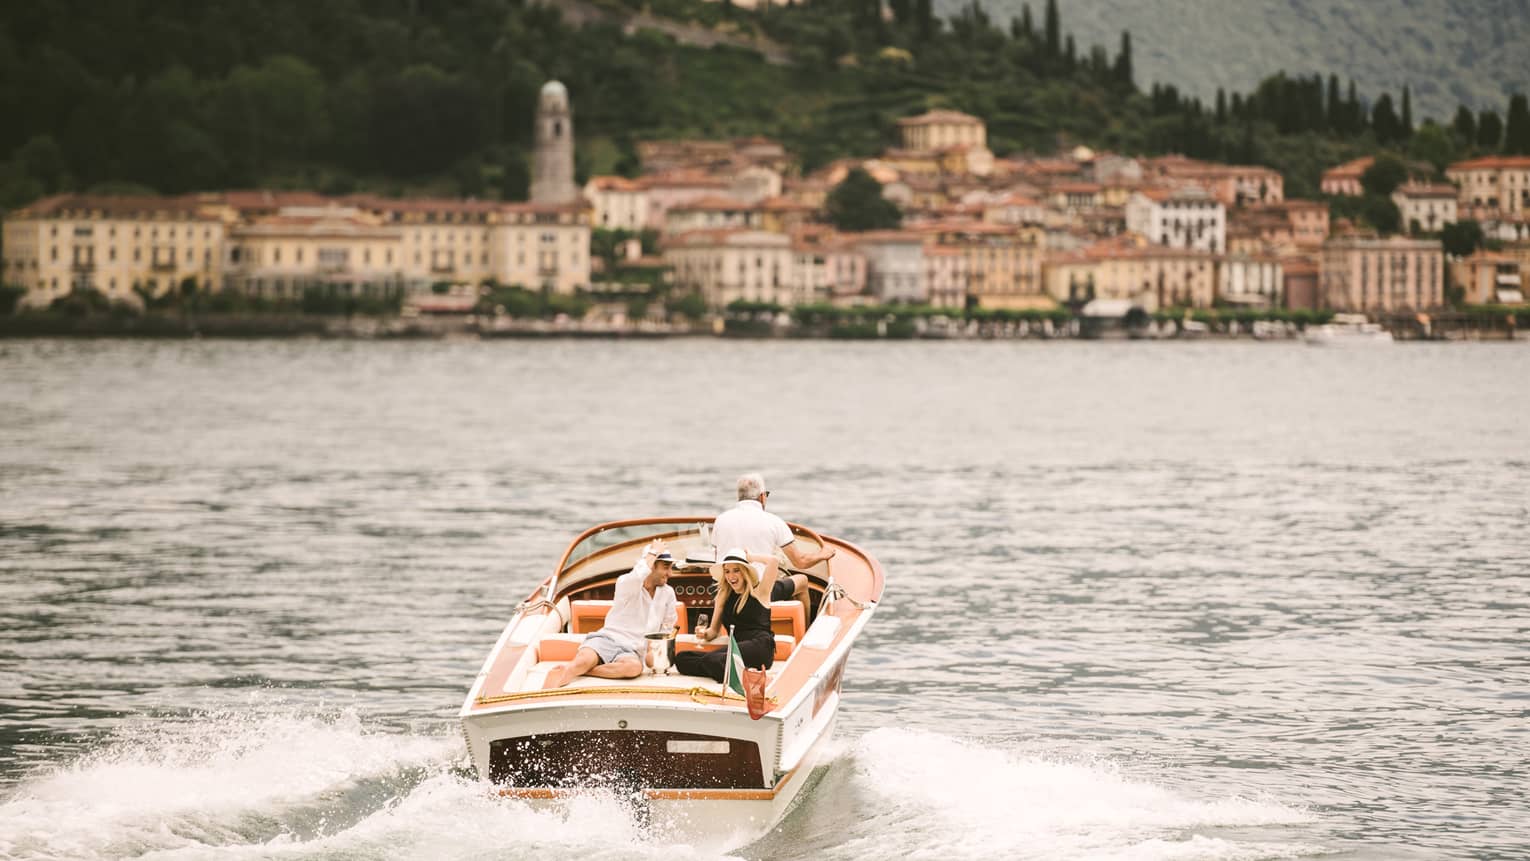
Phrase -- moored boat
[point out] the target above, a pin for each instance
(683, 751)
(1346, 330)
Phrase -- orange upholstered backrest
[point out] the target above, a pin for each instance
(586, 617)
(786, 617)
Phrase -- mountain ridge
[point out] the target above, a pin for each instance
(1448, 52)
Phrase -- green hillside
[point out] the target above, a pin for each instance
(402, 96)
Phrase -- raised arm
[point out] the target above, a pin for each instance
(768, 578)
(803, 560)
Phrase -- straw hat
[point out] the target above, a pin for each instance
(754, 570)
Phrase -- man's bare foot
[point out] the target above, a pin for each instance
(557, 677)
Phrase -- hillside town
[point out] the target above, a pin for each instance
(736, 223)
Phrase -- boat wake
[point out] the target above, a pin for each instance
(324, 786)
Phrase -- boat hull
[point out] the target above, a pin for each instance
(730, 816)
(706, 771)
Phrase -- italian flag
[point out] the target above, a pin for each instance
(733, 669)
(749, 685)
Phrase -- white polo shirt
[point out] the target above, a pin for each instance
(634, 612)
(750, 527)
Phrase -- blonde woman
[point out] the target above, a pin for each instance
(744, 582)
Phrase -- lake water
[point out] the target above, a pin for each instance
(1145, 601)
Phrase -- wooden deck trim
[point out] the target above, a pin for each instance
(539, 793)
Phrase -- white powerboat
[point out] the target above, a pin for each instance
(687, 756)
(1348, 329)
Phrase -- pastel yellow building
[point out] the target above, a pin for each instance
(279, 244)
(111, 245)
(1001, 263)
(1493, 187)
(1128, 268)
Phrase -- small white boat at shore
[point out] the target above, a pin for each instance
(1346, 330)
(687, 757)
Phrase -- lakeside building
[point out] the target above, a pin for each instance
(1251, 281)
(1362, 273)
(1130, 268)
(713, 213)
(1001, 263)
(895, 266)
(1493, 188)
(617, 203)
(112, 245)
(282, 243)
(946, 275)
(1301, 283)
(1183, 217)
(828, 267)
(727, 266)
(1487, 278)
(1425, 206)
(667, 190)
(282, 254)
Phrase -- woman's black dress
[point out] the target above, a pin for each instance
(751, 628)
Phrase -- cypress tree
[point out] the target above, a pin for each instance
(1335, 114)
(1516, 132)
(1407, 113)
(1384, 120)
(1465, 125)
(1123, 70)
(1489, 130)
(902, 11)
(1070, 53)
(1025, 20)
(1221, 105)
(1054, 30)
(924, 12)
(1354, 117)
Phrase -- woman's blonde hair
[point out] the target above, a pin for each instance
(750, 574)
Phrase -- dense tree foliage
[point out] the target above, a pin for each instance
(857, 204)
(401, 96)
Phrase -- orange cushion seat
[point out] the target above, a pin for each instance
(558, 647)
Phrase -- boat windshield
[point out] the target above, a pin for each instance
(632, 532)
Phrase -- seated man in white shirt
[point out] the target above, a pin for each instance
(750, 527)
(644, 603)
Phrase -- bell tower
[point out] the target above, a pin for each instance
(552, 173)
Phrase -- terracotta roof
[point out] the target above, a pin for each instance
(685, 179)
(423, 204)
(721, 236)
(887, 236)
(785, 204)
(1350, 169)
(109, 205)
(1494, 162)
(1428, 189)
(712, 203)
(618, 183)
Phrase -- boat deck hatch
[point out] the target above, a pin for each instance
(646, 759)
